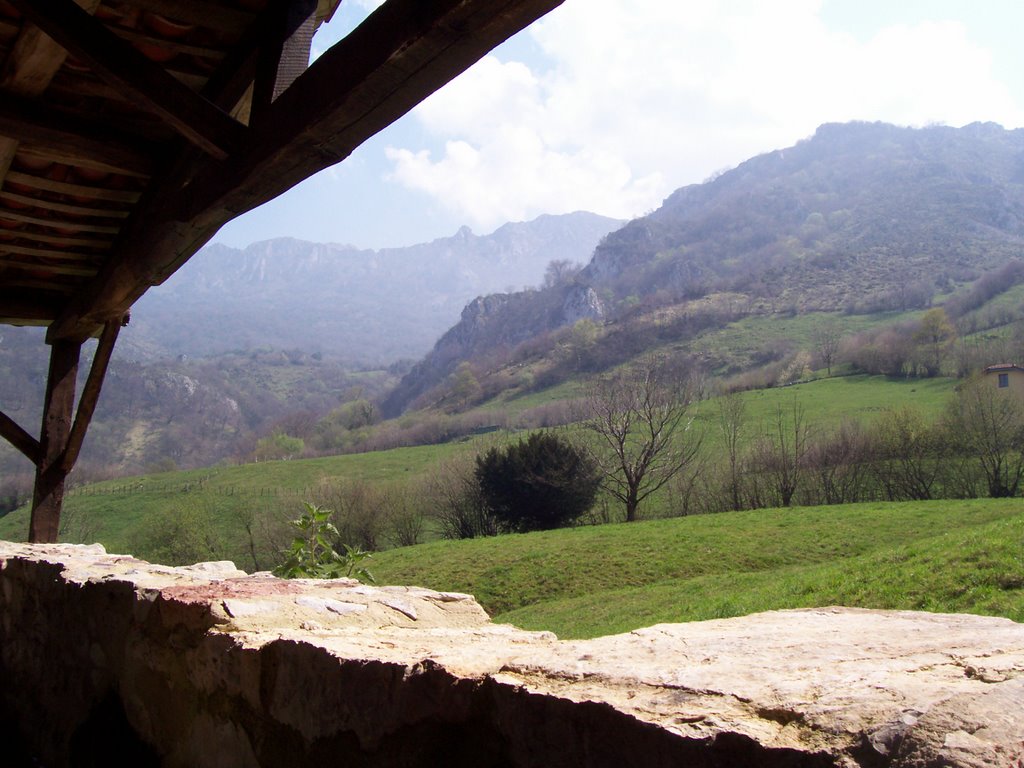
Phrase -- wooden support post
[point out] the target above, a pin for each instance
(90, 393)
(58, 407)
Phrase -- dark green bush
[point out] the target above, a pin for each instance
(537, 484)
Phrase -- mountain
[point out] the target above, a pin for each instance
(860, 217)
(365, 306)
(239, 342)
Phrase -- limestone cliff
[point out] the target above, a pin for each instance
(490, 325)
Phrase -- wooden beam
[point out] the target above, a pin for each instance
(63, 240)
(31, 123)
(142, 169)
(27, 305)
(19, 438)
(77, 210)
(210, 15)
(90, 393)
(56, 269)
(177, 46)
(48, 253)
(402, 53)
(58, 406)
(75, 226)
(28, 71)
(45, 286)
(142, 81)
(67, 188)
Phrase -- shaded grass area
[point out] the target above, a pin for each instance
(594, 580)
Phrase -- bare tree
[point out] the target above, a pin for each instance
(987, 424)
(826, 340)
(643, 432)
(560, 271)
(909, 455)
(781, 452)
(731, 420)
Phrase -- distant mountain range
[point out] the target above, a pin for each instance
(364, 306)
(239, 339)
(860, 217)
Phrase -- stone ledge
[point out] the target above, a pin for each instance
(206, 665)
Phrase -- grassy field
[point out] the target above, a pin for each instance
(947, 556)
(737, 342)
(118, 513)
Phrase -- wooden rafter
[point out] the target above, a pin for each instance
(74, 226)
(66, 188)
(142, 81)
(28, 71)
(210, 15)
(33, 124)
(403, 52)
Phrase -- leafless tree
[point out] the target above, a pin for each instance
(780, 454)
(731, 421)
(826, 340)
(560, 271)
(643, 432)
(987, 424)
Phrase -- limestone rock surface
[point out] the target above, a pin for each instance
(206, 665)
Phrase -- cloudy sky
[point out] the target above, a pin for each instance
(610, 105)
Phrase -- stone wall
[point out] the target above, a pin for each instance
(107, 660)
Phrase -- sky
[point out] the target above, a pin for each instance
(610, 105)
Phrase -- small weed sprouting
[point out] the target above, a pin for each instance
(312, 556)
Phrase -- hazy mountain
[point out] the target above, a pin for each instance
(859, 217)
(273, 332)
(362, 305)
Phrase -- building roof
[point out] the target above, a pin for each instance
(1003, 367)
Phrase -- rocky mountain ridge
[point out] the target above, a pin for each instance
(365, 306)
(859, 217)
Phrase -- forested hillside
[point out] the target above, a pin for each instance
(862, 219)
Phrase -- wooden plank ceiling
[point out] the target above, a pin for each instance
(131, 131)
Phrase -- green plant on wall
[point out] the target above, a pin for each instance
(312, 554)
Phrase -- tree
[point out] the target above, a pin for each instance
(464, 385)
(731, 419)
(908, 455)
(560, 271)
(987, 424)
(458, 505)
(643, 433)
(781, 453)
(537, 484)
(826, 340)
(278, 446)
(934, 337)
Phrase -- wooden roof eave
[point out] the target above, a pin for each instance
(398, 56)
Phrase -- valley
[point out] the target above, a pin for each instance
(827, 305)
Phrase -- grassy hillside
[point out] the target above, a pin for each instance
(232, 511)
(119, 513)
(946, 556)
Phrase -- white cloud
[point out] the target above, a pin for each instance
(636, 98)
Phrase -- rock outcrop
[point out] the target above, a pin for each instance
(209, 666)
(495, 324)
